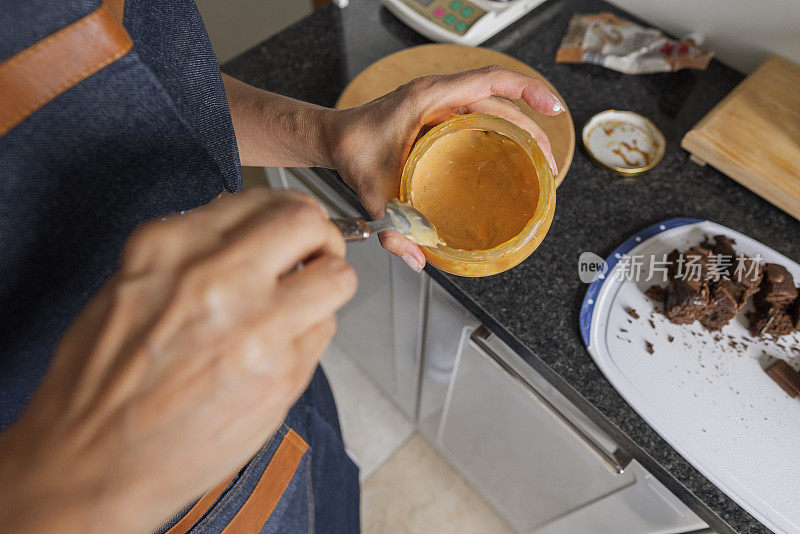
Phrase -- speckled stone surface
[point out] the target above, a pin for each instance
(534, 307)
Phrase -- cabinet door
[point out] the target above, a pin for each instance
(409, 297)
(532, 463)
(386, 294)
(646, 507)
(446, 320)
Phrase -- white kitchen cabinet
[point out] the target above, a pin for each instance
(508, 443)
(543, 465)
(379, 328)
(409, 299)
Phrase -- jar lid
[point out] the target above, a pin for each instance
(623, 141)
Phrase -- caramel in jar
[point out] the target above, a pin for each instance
(477, 187)
(485, 185)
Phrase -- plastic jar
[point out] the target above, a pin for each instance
(507, 254)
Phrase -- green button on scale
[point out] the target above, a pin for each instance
(456, 4)
(449, 19)
(467, 11)
(460, 26)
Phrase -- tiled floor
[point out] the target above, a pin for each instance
(407, 487)
(373, 427)
(417, 491)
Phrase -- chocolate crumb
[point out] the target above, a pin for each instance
(623, 329)
(652, 324)
(632, 313)
(649, 347)
(670, 338)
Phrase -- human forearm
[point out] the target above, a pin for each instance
(368, 145)
(274, 130)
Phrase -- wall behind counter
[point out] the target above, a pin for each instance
(742, 32)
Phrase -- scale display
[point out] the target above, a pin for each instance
(467, 22)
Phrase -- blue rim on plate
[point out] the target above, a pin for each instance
(587, 308)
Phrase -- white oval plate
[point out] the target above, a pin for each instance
(711, 401)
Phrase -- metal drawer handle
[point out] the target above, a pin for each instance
(616, 462)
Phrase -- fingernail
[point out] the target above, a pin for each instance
(558, 107)
(554, 168)
(412, 262)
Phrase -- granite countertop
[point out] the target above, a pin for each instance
(534, 307)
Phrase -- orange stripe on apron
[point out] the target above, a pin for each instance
(199, 509)
(117, 8)
(270, 488)
(33, 77)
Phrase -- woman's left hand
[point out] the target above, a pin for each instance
(372, 141)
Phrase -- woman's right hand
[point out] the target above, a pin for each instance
(180, 368)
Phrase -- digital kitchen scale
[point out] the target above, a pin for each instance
(459, 21)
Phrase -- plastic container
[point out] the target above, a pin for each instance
(499, 258)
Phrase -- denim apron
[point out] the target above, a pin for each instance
(148, 134)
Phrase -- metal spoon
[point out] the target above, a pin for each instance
(399, 216)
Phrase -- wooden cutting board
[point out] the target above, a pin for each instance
(753, 134)
(394, 70)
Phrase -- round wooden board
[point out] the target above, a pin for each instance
(394, 70)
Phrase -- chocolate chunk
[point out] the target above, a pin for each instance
(795, 311)
(656, 293)
(722, 247)
(777, 287)
(684, 300)
(749, 274)
(728, 296)
(786, 377)
(687, 290)
(692, 265)
(775, 303)
(737, 292)
(697, 266)
(775, 321)
(673, 263)
(724, 303)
